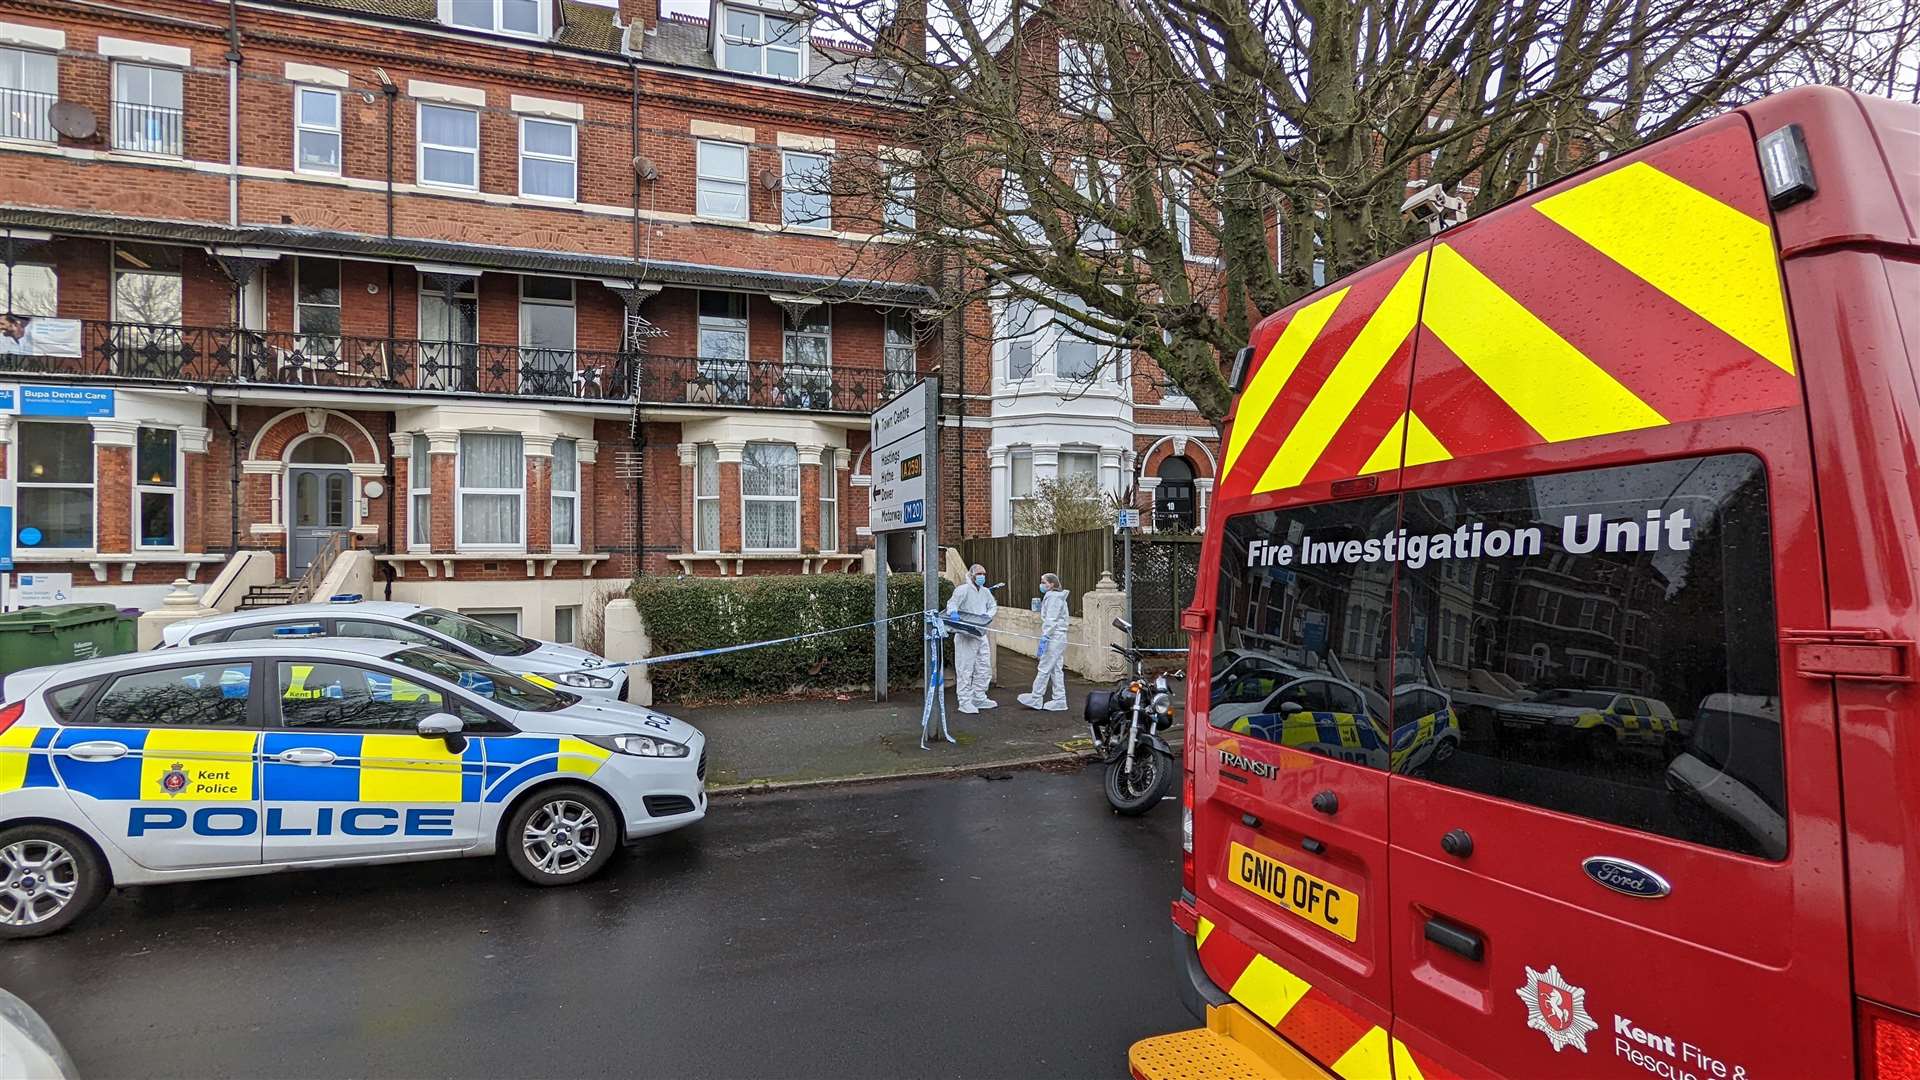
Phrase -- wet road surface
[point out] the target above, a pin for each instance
(945, 928)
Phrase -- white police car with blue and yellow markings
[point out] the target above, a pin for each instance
(258, 756)
(548, 663)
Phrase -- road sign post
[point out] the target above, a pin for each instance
(905, 495)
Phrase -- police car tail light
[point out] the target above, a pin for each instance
(1889, 1043)
(10, 713)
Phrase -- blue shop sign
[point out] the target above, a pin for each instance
(65, 401)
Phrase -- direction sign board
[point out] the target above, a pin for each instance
(40, 590)
(898, 498)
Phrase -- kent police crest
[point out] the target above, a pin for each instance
(174, 780)
(1557, 1009)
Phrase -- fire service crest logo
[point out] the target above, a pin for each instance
(1557, 1009)
(174, 780)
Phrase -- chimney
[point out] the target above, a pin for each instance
(907, 30)
(642, 15)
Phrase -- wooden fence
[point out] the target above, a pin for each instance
(1079, 558)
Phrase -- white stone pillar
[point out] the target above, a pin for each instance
(1112, 480)
(1202, 498)
(997, 491)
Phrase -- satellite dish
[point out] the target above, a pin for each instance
(769, 179)
(644, 168)
(72, 119)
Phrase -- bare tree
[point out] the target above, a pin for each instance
(1156, 173)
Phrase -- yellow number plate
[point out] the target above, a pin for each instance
(1326, 906)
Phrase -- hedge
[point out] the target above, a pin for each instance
(683, 614)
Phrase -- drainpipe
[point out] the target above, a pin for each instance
(233, 113)
(639, 427)
(392, 93)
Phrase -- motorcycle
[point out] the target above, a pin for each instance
(1125, 723)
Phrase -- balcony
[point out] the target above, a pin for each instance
(225, 356)
(24, 115)
(147, 129)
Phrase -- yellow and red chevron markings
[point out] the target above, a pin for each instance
(1645, 296)
(1340, 1039)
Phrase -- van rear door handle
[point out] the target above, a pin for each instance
(1455, 938)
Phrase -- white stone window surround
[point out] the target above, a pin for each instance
(144, 52)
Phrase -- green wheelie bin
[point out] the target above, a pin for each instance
(54, 635)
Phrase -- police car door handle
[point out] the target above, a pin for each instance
(102, 750)
(306, 755)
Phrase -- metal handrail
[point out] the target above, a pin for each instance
(231, 355)
(147, 129)
(316, 572)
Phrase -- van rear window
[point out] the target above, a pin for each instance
(1598, 643)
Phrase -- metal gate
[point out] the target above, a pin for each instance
(1165, 569)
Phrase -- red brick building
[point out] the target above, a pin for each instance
(520, 295)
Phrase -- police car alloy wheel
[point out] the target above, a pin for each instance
(49, 877)
(562, 835)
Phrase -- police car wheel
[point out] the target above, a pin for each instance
(562, 835)
(49, 876)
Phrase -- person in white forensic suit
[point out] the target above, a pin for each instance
(1053, 649)
(972, 663)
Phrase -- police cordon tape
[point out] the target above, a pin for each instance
(721, 650)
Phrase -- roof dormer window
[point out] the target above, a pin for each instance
(521, 18)
(757, 43)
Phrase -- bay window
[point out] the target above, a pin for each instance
(770, 497)
(829, 499)
(54, 492)
(492, 490)
(1078, 463)
(420, 494)
(1019, 482)
(706, 498)
(156, 487)
(564, 515)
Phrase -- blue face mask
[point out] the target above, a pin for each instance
(1043, 586)
(980, 579)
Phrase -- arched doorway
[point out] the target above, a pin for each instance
(1173, 505)
(319, 498)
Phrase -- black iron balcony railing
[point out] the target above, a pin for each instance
(24, 114)
(228, 356)
(146, 129)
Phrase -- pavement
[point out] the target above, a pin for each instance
(936, 928)
(787, 742)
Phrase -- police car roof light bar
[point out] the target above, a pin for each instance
(302, 630)
(344, 598)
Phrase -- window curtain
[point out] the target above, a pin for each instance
(565, 496)
(493, 462)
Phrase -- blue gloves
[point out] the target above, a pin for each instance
(1043, 647)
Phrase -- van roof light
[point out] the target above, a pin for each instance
(1788, 169)
(344, 598)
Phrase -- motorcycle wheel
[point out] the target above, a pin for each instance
(1135, 793)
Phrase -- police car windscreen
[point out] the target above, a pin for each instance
(488, 682)
(487, 638)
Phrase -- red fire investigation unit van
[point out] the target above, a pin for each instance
(1552, 703)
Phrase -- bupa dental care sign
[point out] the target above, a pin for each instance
(1580, 534)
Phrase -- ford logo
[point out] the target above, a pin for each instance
(1626, 877)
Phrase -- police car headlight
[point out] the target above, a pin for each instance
(581, 678)
(638, 745)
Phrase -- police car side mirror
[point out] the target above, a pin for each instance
(439, 726)
(1287, 708)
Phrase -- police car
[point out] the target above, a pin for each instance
(560, 666)
(257, 756)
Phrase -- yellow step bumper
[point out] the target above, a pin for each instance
(1234, 1045)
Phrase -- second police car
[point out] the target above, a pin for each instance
(259, 756)
(550, 664)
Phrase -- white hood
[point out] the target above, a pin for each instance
(552, 657)
(589, 716)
